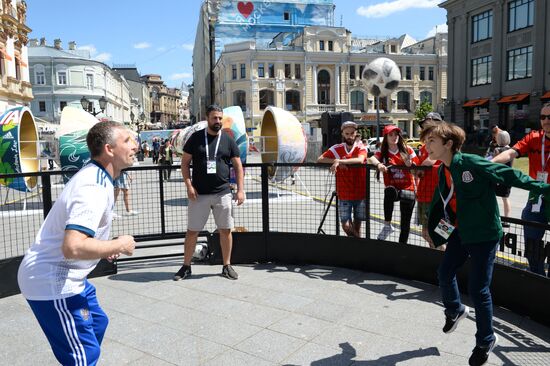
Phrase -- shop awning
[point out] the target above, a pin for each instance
(546, 96)
(516, 98)
(475, 103)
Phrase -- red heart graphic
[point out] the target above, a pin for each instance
(245, 8)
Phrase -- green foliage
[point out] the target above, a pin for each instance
(422, 110)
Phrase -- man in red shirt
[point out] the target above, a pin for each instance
(427, 182)
(350, 181)
(535, 145)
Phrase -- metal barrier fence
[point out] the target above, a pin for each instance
(304, 202)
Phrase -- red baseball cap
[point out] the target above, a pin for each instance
(390, 128)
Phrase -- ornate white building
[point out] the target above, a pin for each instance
(319, 70)
(62, 77)
(15, 87)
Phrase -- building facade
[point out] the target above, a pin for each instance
(15, 86)
(223, 22)
(139, 93)
(165, 101)
(62, 77)
(499, 69)
(320, 70)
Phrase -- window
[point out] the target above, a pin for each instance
(430, 73)
(481, 70)
(287, 71)
(520, 63)
(271, 70)
(408, 72)
(482, 26)
(2, 64)
(239, 98)
(286, 15)
(243, 71)
(426, 96)
(520, 14)
(352, 72)
(40, 78)
(330, 46)
(261, 70)
(321, 45)
(292, 98)
(361, 68)
(422, 73)
(17, 68)
(42, 106)
(266, 98)
(393, 49)
(297, 71)
(403, 100)
(90, 81)
(233, 72)
(357, 100)
(62, 78)
(62, 105)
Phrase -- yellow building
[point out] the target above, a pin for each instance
(320, 71)
(15, 88)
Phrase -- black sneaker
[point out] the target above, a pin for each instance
(183, 273)
(451, 323)
(229, 272)
(480, 355)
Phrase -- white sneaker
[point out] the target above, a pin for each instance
(386, 231)
(115, 216)
(131, 213)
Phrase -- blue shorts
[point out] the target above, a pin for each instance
(345, 208)
(74, 326)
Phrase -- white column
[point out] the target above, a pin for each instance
(314, 84)
(337, 81)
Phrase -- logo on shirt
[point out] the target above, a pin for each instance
(8, 136)
(85, 313)
(467, 177)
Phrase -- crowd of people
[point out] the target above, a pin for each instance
(462, 214)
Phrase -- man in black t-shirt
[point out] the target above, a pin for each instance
(212, 152)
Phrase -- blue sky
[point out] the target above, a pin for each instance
(158, 36)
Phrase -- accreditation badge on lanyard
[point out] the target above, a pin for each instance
(211, 163)
(542, 176)
(444, 228)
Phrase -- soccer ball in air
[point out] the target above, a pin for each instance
(382, 76)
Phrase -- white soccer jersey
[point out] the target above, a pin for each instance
(86, 204)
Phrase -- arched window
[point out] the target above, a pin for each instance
(426, 96)
(266, 98)
(357, 100)
(404, 100)
(323, 87)
(239, 98)
(292, 98)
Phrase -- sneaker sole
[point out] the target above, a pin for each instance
(228, 277)
(464, 315)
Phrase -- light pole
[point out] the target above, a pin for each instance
(85, 103)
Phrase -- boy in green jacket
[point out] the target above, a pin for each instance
(464, 214)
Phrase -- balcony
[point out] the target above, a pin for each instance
(321, 108)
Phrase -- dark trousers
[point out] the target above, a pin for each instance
(482, 257)
(534, 245)
(406, 204)
(167, 172)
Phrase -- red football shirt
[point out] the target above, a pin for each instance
(351, 182)
(428, 182)
(531, 146)
(398, 178)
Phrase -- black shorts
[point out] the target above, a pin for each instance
(502, 190)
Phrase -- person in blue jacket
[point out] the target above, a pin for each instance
(464, 214)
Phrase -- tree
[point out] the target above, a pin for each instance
(422, 110)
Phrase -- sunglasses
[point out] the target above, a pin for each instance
(544, 116)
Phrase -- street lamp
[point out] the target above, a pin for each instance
(85, 103)
(132, 116)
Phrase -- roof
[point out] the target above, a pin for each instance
(48, 51)
(129, 73)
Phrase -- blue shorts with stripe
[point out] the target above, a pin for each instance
(74, 326)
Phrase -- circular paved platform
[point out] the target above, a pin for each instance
(273, 315)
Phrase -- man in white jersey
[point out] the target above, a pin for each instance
(70, 243)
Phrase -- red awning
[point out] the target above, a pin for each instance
(475, 103)
(516, 98)
(545, 96)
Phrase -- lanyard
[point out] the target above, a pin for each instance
(206, 144)
(449, 197)
(542, 161)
